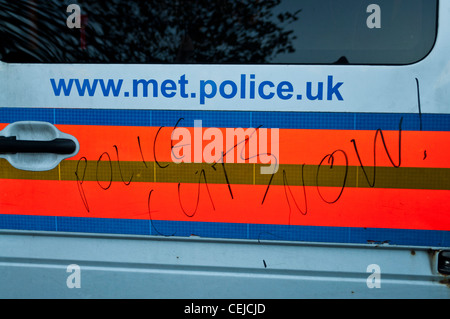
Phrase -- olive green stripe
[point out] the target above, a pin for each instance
(105, 171)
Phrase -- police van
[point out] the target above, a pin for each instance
(225, 149)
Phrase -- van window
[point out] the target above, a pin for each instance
(220, 31)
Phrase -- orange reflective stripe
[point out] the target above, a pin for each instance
(357, 207)
(119, 178)
(418, 148)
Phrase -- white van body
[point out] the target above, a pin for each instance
(381, 249)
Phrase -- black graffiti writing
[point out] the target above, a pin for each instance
(202, 174)
(110, 171)
(120, 170)
(80, 181)
(330, 159)
(104, 169)
(287, 189)
(379, 132)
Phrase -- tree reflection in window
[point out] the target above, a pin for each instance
(151, 31)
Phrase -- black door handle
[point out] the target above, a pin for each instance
(36, 146)
(10, 145)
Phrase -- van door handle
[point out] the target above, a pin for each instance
(36, 146)
(11, 145)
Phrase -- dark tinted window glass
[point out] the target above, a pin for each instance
(220, 31)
